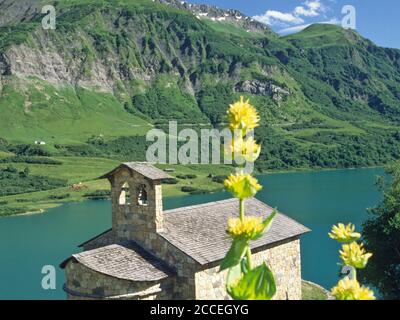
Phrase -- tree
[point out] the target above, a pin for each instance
(382, 236)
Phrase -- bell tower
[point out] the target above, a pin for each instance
(136, 196)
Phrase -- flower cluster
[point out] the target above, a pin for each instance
(353, 255)
(248, 228)
(242, 185)
(344, 234)
(240, 149)
(350, 289)
(242, 115)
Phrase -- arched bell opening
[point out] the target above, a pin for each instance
(125, 195)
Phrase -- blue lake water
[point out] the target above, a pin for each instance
(316, 199)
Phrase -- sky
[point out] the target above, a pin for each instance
(378, 21)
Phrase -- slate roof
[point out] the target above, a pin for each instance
(108, 234)
(126, 261)
(143, 168)
(199, 231)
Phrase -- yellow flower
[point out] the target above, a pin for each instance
(350, 289)
(242, 185)
(354, 255)
(344, 234)
(240, 149)
(242, 115)
(249, 228)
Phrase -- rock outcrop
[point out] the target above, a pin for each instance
(13, 11)
(262, 88)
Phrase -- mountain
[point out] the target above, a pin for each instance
(327, 96)
(358, 77)
(213, 13)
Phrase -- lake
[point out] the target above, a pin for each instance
(316, 199)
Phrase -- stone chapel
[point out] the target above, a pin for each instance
(151, 253)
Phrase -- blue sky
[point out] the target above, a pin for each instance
(375, 20)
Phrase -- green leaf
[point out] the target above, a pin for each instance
(266, 225)
(267, 222)
(234, 274)
(235, 254)
(256, 284)
(244, 265)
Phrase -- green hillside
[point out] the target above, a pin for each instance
(347, 75)
(35, 110)
(112, 70)
(324, 35)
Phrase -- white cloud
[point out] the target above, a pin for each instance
(309, 9)
(271, 16)
(312, 8)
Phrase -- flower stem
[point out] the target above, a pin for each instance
(353, 273)
(241, 209)
(248, 255)
(248, 251)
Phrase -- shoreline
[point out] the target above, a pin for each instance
(303, 170)
(328, 294)
(29, 213)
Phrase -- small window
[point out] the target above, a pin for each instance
(142, 196)
(125, 196)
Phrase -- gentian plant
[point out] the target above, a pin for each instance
(353, 256)
(244, 280)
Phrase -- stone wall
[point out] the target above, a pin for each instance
(284, 261)
(185, 266)
(134, 219)
(85, 284)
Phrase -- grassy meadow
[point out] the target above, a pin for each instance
(83, 173)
